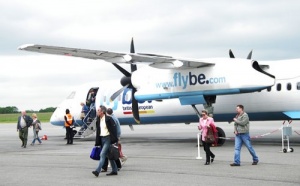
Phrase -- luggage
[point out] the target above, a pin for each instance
(95, 154)
(113, 152)
(210, 138)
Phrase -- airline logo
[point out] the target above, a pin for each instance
(127, 109)
(184, 81)
(144, 108)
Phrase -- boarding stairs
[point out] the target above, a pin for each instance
(88, 127)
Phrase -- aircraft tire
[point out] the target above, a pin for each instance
(221, 133)
(292, 150)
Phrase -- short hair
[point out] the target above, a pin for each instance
(103, 108)
(34, 115)
(109, 111)
(67, 111)
(240, 106)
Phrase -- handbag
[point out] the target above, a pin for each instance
(95, 154)
(82, 115)
(113, 152)
(209, 138)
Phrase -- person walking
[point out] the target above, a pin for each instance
(106, 134)
(241, 131)
(36, 125)
(207, 123)
(69, 129)
(24, 122)
(109, 112)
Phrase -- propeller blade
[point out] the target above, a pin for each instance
(250, 55)
(133, 66)
(231, 54)
(125, 72)
(132, 47)
(135, 108)
(116, 94)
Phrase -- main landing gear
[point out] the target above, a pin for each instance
(221, 134)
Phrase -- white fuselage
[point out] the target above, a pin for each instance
(279, 103)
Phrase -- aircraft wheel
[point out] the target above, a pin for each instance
(292, 150)
(221, 133)
(284, 150)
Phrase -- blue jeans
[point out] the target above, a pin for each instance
(241, 139)
(105, 140)
(36, 136)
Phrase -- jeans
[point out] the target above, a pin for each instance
(241, 139)
(36, 136)
(105, 140)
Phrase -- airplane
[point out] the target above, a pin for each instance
(172, 90)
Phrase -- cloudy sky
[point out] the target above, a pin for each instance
(192, 29)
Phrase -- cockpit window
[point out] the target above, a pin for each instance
(71, 96)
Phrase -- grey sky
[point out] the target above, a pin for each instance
(192, 29)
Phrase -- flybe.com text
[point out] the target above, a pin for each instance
(190, 79)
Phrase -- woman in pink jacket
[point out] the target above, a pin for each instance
(206, 123)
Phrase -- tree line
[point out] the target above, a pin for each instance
(13, 109)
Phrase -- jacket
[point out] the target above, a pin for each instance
(28, 121)
(111, 126)
(203, 126)
(242, 123)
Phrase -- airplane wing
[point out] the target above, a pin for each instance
(154, 60)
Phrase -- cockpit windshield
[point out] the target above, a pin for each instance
(71, 96)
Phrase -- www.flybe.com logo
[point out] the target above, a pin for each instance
(183, 81)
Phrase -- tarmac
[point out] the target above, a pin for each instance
(157, 155)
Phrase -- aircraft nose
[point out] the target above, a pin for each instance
(56, 119)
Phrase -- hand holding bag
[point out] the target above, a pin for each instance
(95, 154)
(210, 138)
(113, 152)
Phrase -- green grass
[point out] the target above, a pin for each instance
(13, 118)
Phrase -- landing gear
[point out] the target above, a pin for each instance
(210, 109)
(221, 136)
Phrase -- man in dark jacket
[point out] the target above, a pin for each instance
(24, 121)
(106, 135)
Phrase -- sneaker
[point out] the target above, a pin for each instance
(234, 164)
(255, 163)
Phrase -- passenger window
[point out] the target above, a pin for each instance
(298, 86)
(289, 86)
(279, 87)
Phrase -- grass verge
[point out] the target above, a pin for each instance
(13, 118)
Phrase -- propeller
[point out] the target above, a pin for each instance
(126, 83)
(232, 56)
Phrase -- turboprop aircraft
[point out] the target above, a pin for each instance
(171, 90)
